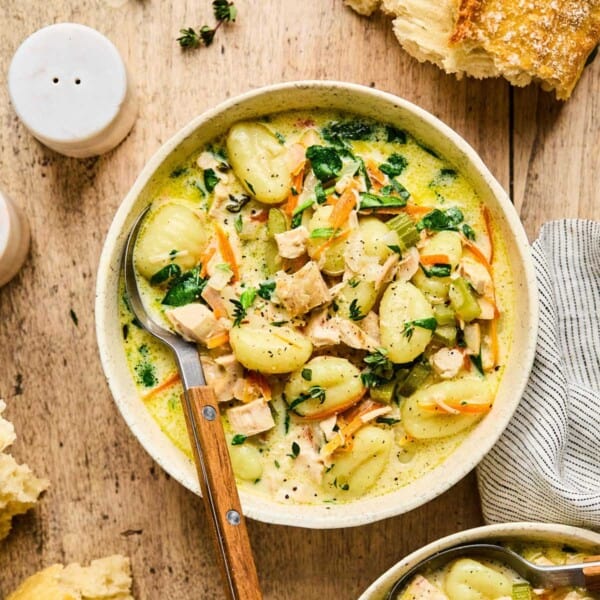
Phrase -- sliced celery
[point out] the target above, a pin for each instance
(406, 229)
(521, 591)
(277, 222)
(463, 300)
(416, 378)
(443, 314)
(446, 334)
(383, 393)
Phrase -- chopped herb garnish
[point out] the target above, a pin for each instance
(353, 282)
(409, 327)
(444, 178)
(224, 12)
(354, 311)
(278, 323)
(316, 392)
(322, 232)
(242, 305)
(210, 180)
(125, 331)
(276, 463)
(280, 137)
(238, 439)
(468, 232)
(73, 316)
(286, 423)
(186, 288)
(325, 161)
(266, 289)
(307, 374)
(238, 224)
(437, 270)
(476, 360)
(387, 420)
(297, 214)
(250, 186)
(438, 220)
(395, 248)
(178, 172)
(169, 272)
(380, 368)
(146, 374)
(295, 450)
(395, 164)
(236, 203)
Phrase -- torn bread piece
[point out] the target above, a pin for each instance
(548, 41)
(105, 579)
(19, 487)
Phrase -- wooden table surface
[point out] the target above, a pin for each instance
(107, 495)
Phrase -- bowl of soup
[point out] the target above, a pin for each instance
(473, 577)
(360, 290)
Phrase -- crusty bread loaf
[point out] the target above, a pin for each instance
(522, 40)
(19, 488)
(105, 579)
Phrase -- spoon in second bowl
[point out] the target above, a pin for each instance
(207, 438)
(584, 575)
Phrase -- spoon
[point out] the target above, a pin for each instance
(209, 445)
(586, 574)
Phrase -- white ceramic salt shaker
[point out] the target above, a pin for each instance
(14, 239)
(69, 86)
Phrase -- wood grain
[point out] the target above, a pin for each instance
(107, 495)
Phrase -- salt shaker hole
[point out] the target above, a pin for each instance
(77, 81)
(55, 80)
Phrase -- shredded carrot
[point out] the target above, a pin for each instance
(375, 175)
(292, 200)
(433, 259)
(486, 218)
(392, 210)
(167, 383)
(461, 406)
(332, 240)
(414, 210)
(205, 258)
(478, 255)
(260, 382)
(345, 204)
(227, 251)
(260, 217)
(355, 422)
(494, 340)
(333, 411)
(217, 340)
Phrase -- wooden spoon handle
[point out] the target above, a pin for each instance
(592, 575)
(220, 495)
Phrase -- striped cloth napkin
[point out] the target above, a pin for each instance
(546, 465)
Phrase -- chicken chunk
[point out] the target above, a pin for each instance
(303, 290)
(195, 322)
(252, 418)
(321, 331)
(352, 335)
(447, 362)
(478, 276)
(224, 375)
(421, 589)
(473, 338)
(409, 264)
(370, 325)
(292, 243)
(386, 272)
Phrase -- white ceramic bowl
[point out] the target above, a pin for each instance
(544, 532)
(432, 132)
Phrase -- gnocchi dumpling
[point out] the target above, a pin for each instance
(324, 385)
(444, 243)
(173, 234)
(260, 162)
(421, 420)
(468, 579)
(269, 349)
(331, 260)
(355, 299)
(402, 304)
(377, 238)
(356, 471)
(246, 462)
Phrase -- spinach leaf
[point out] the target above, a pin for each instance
(438, 220)
(266, 289)
(210, 180)
(347, 130)
(185, 289)
(395, 164)
(437, 270)
(396, 135)
(373, 201)
(395, 186)
(326, 162)
(168, 272)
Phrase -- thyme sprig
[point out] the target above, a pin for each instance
(224, 12)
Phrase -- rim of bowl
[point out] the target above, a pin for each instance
(548, 532)
(173, 460)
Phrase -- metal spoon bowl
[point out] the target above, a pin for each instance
(209, 445)
(585, 575)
